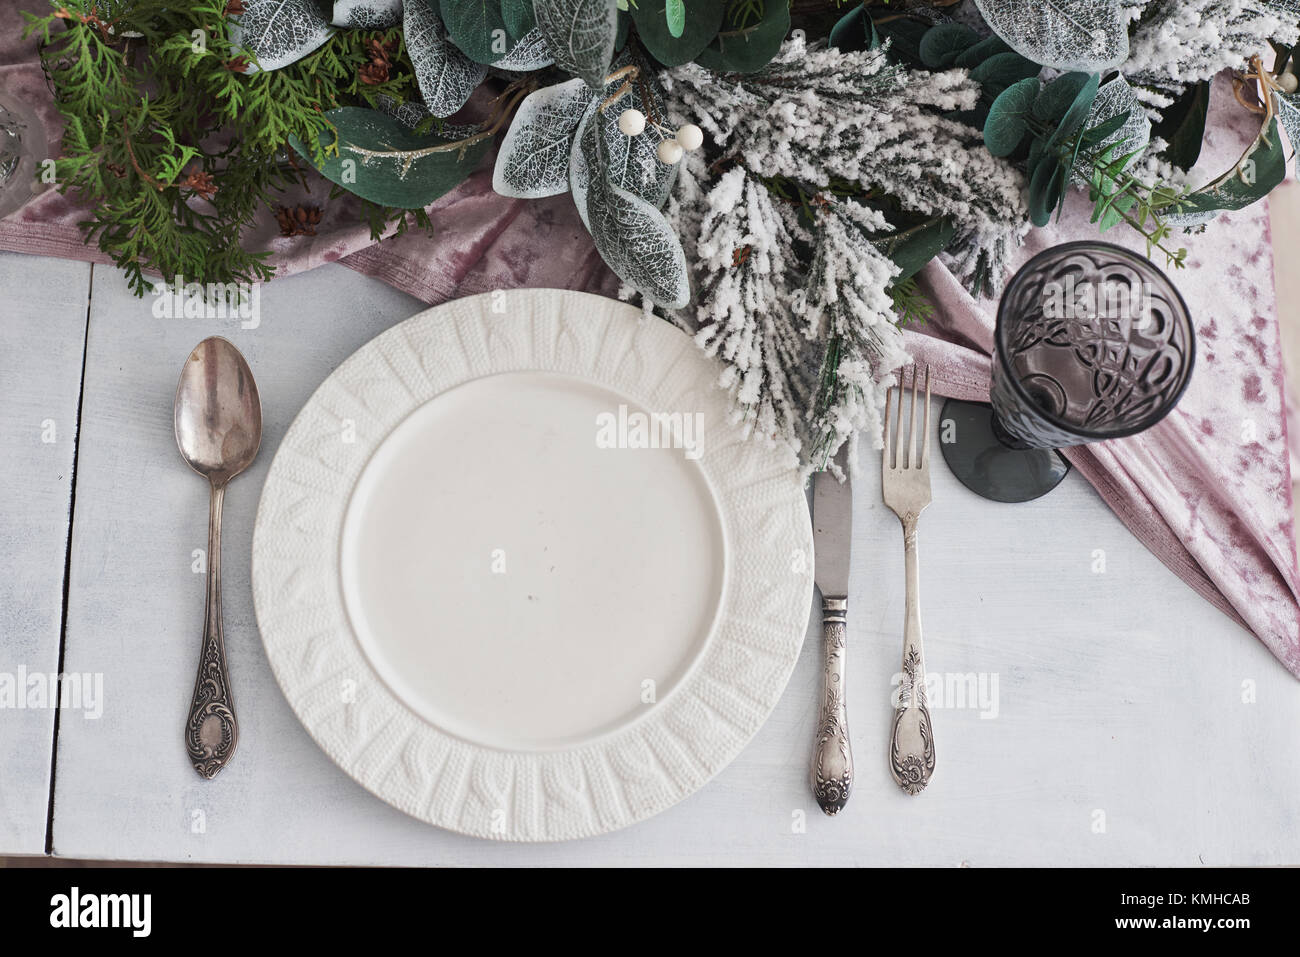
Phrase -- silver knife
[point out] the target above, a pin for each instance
(832, 766)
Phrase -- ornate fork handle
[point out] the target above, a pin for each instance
(211, 733)
(911, 747)
(832, 767)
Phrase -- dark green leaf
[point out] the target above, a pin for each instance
(1070, 105)
(1002, 70)
(703, 20)
(974, 56)
(905, 37)
(854, 32)
(1006, 126)
(624, 27)
(1098, 133)
(912, 248)
(1261, 169)
(519, 17)
(379, 159)
(745, 47)
(1182, 125)
(477, 28)
(1046, 189)
(942, 44)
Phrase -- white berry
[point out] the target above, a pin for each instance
(670, 151)
(631, 122)
(690, 137)
(1288, 82)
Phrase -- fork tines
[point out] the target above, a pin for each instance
(895, 438)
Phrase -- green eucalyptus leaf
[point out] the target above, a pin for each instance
(1046, 189)
(974, 56)
(477, 28)
(1002, 70)
(942, 44)
(745, 46)
(855, 32)
(1077, 90)
(703, 20)
(1006, 126)
(381, 160)
(518, 16)
(1260, 169)
(1058, 96)
(1108, 127)
(1037, 153)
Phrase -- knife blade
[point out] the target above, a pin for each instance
(832, 531)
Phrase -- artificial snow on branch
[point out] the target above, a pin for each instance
(1179, 42)
(821, 116)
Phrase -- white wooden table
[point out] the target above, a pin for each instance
(1133, 723)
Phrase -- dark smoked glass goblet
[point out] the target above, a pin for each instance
(1092, 342)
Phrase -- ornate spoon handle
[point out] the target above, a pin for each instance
(210, 731)
(832, 767)
(911, 746)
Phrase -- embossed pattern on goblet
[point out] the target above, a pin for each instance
(1093, 342)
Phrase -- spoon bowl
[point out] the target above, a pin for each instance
(218, 413)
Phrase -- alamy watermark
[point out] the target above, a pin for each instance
(214, 300)
(1073, 298)
(71, 691)
(957, 690)
(631, 429)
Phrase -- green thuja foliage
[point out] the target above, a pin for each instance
(177, 147)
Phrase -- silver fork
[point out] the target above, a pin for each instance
(905, 484)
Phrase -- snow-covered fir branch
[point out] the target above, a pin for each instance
(747, 268)
(1178, 42)
(820, 116)
(851, 313)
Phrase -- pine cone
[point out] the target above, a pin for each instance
(201, 182)
(374, 72)
(298, 221)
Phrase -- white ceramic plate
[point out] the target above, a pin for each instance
(495, 610)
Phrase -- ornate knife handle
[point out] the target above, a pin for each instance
(911, 746)
(211, 733)
(832, 766)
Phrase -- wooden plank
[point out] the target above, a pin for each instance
(1132, 723)
(42, 335)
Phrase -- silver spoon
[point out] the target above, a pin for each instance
(218, 422)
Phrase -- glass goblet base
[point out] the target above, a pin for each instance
(986, 465)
